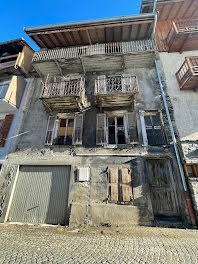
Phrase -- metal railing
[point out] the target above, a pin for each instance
(116, 85)
(63, 88)
(97, 49)
(189, 68)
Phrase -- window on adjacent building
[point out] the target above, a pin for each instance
(116, 130)
(119, 185)
(192, 170)
(152, 129)
(64, 131)
(3, 88)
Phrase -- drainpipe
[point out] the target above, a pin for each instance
(154, 26)
(154, 5)
(189, 204)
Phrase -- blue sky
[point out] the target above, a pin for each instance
(15, 15)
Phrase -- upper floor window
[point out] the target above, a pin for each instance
(3, 88)
(64, 131)
(152, 128)
(116, 130)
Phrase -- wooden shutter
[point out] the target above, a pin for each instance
(101, 84)
(101, 129)
(78, 129)
(50, 130)
(131, 127)
(126, 184)
(113, 183)
(4, 130)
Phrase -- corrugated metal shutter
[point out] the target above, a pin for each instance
(41, 195)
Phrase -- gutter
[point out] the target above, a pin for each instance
(188, 201)
(88, 22)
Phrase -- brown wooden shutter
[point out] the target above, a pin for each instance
(131, 127)
(113, 183)
(50, 130)
(126, 184)
(101, 135)
(4, 130)
(78, 129)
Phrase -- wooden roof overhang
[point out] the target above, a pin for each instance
(126, 28)
(171, 9)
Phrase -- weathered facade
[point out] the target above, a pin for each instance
(177, 38)
(95, 145)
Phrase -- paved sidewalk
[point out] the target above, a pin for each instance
(35, 244)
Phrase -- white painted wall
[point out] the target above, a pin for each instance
(185, 103)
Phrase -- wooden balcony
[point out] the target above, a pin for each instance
(98, 57)
(187, 76)
(58, 96)
(183, 36)
(116, 91)
(8, 61)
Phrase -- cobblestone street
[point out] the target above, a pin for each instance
(36, 244)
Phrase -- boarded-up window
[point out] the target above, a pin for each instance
(154, 129)
(131, 127)
(4, 129)
(101, 129)
(119, 184)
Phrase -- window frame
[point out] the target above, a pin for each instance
(116, 129)
(65, 136)
(194, 168)
(143, 125)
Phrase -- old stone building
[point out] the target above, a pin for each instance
(177, 41)
(95, 144)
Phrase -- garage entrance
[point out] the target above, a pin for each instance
(41, 195)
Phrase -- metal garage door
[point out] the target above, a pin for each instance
(41, 195)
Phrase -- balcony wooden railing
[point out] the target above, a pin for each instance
(181, 28)
(116, 85)
(187, 76)
(116, 91)
(8, 61)
(97, 49)
(62, 89)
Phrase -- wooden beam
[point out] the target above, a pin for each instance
(58, 66)
(169, 13)
(65, 38)
(49, 37)
(37, 39)
(121, 33)
(138, 32)
(80, 36)
(72, 37)
(130, 31)
(88, 36)
(183, 43)
(58, 39)
(105, 35)
(82, 64)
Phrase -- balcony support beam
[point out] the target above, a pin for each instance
(58, 66)
(88, 36)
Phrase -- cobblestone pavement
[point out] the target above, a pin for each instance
(36, 244)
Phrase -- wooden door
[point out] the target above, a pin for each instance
(162, 188)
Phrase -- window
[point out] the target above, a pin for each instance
(152, 128)
(64, 131)
(192, 170)
(3, 88)
(119, 184)
(116, 130)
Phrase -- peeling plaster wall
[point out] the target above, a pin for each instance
(87, 201)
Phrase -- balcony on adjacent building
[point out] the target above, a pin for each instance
(64, 94)
(183, 36)
(187, 76)
(116, 91)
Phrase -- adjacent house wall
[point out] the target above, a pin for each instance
(184, 104)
